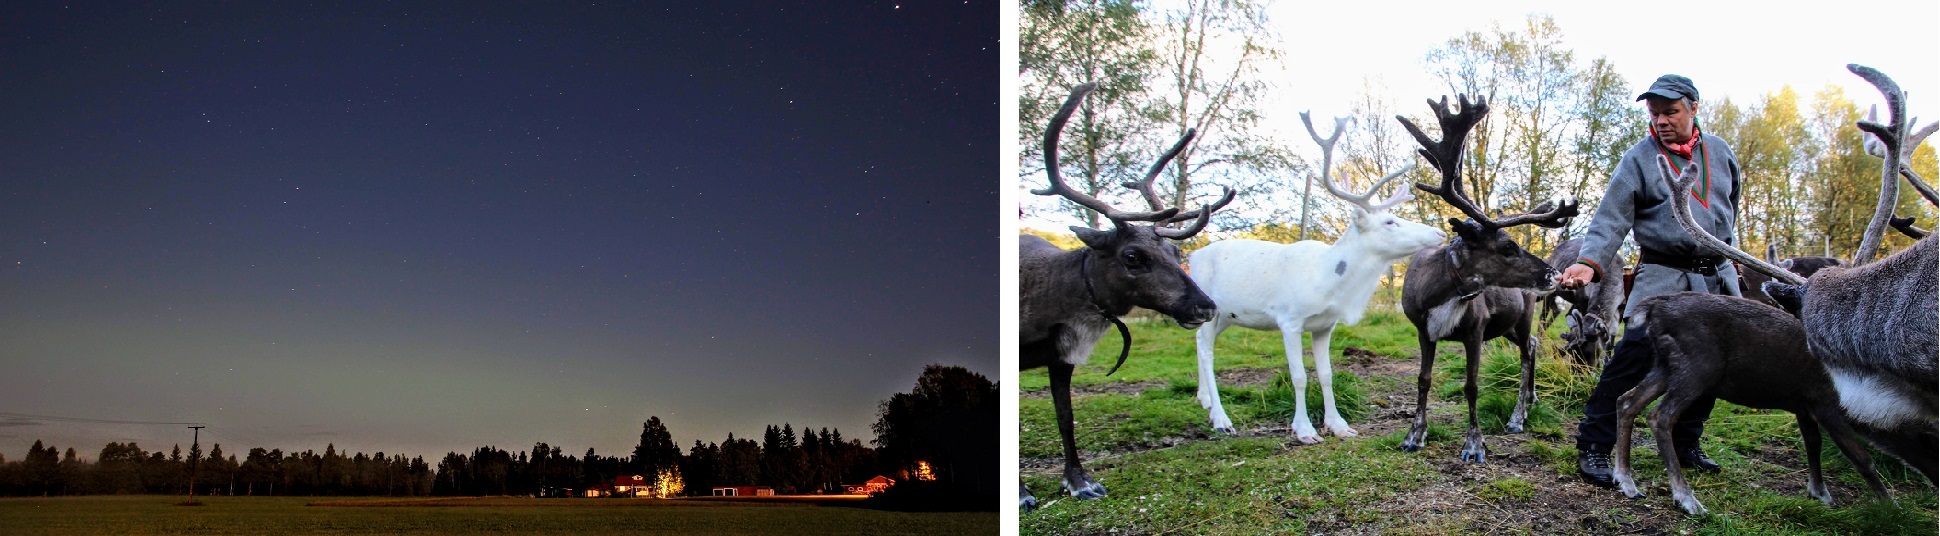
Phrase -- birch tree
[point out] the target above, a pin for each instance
(1061, 45)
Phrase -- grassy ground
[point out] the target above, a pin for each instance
(148, 514)
(1145, 437)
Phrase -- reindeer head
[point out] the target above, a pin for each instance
(1481, 255)
(1385, 234)
(1135, 265)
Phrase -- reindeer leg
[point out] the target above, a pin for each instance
(1324, 371)
(1418, 433)
(1526, 389)
(1303, 429)
(1814, 480)
(1661, 422)
(1833, 419)
(1472, 449)
(1025, 502)
(1076, 480)
(1209, 380)
(1915, 447)
(1628, 406)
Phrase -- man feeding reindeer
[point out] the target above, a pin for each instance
(1637, 202)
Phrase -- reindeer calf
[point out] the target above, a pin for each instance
(1744, 352)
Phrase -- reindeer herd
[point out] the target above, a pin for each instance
(1848, 348)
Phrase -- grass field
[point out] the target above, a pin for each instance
(1145, 437)
(148, 514)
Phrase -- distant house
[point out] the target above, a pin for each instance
(743, 491)
(632, 486)
(598, 491)
(873, 486)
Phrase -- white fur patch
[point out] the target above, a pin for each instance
(1078, 342)
(1443, 318)
(1877, 403)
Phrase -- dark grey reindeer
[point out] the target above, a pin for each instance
(1472, 289)
(1594, 311)
(1067, 299)
(1868, 327)
(1742, 351)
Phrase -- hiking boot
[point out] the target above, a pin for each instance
(1694, 458)
(1595, 467)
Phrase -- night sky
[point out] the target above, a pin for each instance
(429, 228)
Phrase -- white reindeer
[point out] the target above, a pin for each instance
(1308, 286)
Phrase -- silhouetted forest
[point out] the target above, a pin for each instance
(943, 431)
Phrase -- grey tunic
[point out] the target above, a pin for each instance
(1638, 201)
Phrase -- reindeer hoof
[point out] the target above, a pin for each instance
(1026, 504)
(1091, 490)
(1344, 432)
(1308, 440)
(1227, 430)
(1473, 456)
(1692, 506)
(1513, 428)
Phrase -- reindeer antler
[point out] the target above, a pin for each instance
(1905, 227)
(1202, 214)
(1059, 188)
(1877, 149)
(1446, 155)
(1327, 164)
(1681, 208)
(1890, 135)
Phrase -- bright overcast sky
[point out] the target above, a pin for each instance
(1729, 49)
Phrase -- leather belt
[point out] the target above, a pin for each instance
(1707, 266)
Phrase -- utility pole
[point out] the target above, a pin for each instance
(195, 447)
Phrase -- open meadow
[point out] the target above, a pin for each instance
(1145, 437)
(154, 514)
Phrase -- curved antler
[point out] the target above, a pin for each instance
(1890, 135)
(1551, 214)
(1202, 215)
(1144, 186)
(1446, 154)
(1905, 227)
(1877, 149)
(1327, 164)
(1681, 208)
(1059, 188)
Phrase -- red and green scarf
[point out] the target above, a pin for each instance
(1701, 192)
(1683, 149)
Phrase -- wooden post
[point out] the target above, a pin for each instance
(194, 448)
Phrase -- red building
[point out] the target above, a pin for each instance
(873, 486)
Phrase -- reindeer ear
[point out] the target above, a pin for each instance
(1463, 228)
(1791, 298)
(1093, 238)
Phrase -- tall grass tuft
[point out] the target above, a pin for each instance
(1276, 401)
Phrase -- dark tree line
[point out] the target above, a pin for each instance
(945, 427)
(124, 468)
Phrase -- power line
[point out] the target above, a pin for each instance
(12, 415)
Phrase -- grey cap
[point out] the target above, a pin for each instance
(1672, 87)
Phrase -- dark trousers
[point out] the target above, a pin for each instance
(1627, 367)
